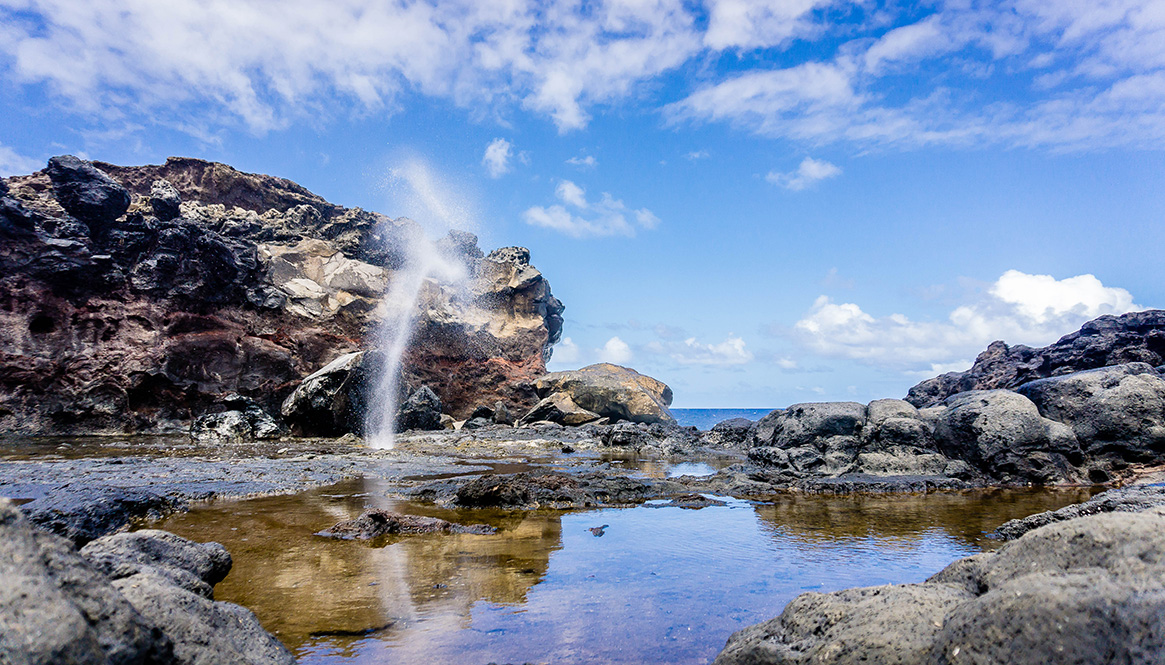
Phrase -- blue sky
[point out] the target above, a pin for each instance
(759, 203)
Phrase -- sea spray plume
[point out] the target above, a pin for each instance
(423, 194)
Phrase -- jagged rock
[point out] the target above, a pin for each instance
(82, 514)
(86, 192)
(421, 411)
(144, 320)
(1112, 410)
(545, 489)
(1107, 340)
(379, 523)
(333, 400)
(732, 433)
(612, 391)
(55, 608)
(477, 423)
(1002, 433)
(195, 567)
(1087, 590)
(502, 414)
(251, 423)
(165, 200)
(558, 408)
(482, 412)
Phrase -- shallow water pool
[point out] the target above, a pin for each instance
(661, 585)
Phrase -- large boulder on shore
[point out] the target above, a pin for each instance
(145, 294)
(333, 400)
(1107, 340)
(612, 391)
(1088, 590)
(1117, 410)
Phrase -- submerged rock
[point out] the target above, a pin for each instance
(378, 523)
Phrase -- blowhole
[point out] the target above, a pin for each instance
(41, 324)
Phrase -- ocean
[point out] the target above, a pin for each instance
(704, 419)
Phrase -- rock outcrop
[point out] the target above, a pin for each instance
(611, 391)
(144, 597)
(1088, 590)
(136, 298)
(1137, 337)
(372, 524)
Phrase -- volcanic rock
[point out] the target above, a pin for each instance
(1107, 340)
(379, 523)
(558, 408)
(422, 410)
(140, 296)
(1088, 590)
(84, 513)
(612, 391)
(531, 490)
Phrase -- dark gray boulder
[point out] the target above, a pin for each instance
(251, 423)
(421, 411)
(55, 608)
(204, 632)
(82, 514)
(333, 400)
(1112, 410)
(196, 567)
(165, 200)
(1002, 433)
(86, 192)
(732, 433)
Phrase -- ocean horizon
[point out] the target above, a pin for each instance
(705, 419)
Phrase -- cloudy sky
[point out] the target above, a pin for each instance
(759, 202)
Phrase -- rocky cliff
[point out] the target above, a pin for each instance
(136, 298)
(1108, 340)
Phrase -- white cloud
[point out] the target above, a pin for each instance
(758, 23)
(696, 155)
(566, 351)
(810, 171)
(587, 162)
(14, 163)
(732, 351)
(580, 218)
(615, 351)
(496, 159)
(1060, 74)
(1018, 308)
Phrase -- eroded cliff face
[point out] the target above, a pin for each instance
(136, 298)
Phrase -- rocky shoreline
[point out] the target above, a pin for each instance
(236, 312)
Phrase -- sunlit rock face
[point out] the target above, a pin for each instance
(139, 317)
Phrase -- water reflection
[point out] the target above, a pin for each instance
(662, 585)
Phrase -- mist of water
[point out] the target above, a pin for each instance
(421, 194)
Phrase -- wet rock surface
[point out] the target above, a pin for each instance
(1088, 590)
(80, 512)
(380, 523)
(1135, 499)
(145, 597)
(545, 489)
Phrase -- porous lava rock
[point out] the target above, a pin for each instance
(133, 298)
(1087, 590)
(1107, 340)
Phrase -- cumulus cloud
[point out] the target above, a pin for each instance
(696, 155)
(615, 351)
(732, 351)
(587, 162)
(580, 218)
(1018, 308)
(566, 351)
(14, 163)
(810, 171)
(759, 23)
(496, 159)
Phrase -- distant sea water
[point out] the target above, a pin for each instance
(704, 419)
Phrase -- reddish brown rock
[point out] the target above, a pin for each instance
(255, 285)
